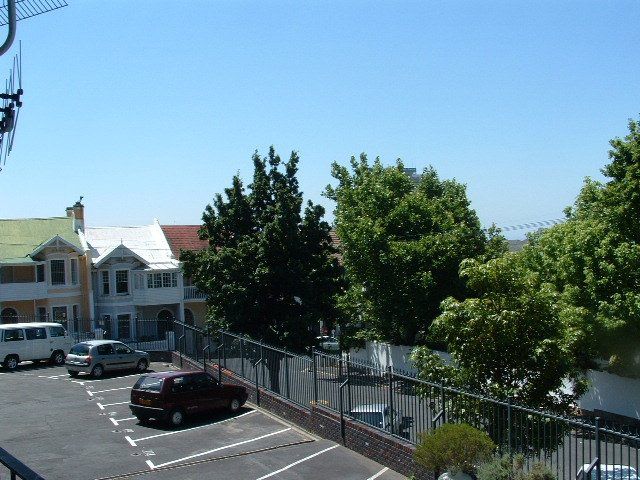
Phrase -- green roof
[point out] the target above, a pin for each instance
(20, 237)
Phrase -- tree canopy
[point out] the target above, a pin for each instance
(402, 243)
(270, 270)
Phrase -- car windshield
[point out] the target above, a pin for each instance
(80, 349)
(372, 418)
(149, 383)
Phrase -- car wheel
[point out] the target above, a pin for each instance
(72, 373)
(11, 362)
(142, 365)
(234, 405)
(97, 371)
(176, 417)
(58, 358)
(143, 419)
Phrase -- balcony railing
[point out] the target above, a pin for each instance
(22, 291)
(192, 293)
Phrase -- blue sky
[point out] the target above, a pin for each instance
(148, 108)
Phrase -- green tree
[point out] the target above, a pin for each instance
(509, 340)
(402, 243)
(593, 259)
(270, 270)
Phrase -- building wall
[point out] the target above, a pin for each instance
(22, 307)
(199, 310)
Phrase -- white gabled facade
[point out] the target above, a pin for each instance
(134, 276)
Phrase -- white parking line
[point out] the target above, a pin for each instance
(133, 442)
(109, 390)
(53, 376)
(296, 463)
(378, 474)
(152, 466)
(102, 405)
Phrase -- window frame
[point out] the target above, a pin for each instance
(120, 282)
(57, 271)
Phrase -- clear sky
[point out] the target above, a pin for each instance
(147, 108)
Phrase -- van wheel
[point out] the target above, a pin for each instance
(97, 371)
(176, 417)
(234, 405)
(142, 365)
(72, 373)
(11, 362)
(58, 358)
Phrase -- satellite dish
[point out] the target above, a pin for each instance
(10, 110)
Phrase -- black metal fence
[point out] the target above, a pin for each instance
(15, 468)
(406, 407)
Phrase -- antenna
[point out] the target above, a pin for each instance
(10, 110)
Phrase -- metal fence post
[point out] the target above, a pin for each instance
(262, 364)
(242, 358)
(509, 427)
(286, 373)
(349, 383)
(444, 407)
(315, 377)
(597, 439)
(390, 370)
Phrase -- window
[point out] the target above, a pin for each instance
(137, 282)
(148, 383)
(122, 349)
(42, 313)
(106, 349)
(74, 271)
(39, 273)
(188, 317)
(8, 315)
(74, 311)
(6, 275)
(38, 333)
(105, 282)
(13, 335)
(122, 282)
(162, 280)
(59, 314)
(57, 272)
(57, 331)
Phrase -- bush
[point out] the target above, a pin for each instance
(454, 448)
(506, 468)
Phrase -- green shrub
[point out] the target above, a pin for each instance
(454, 448)
(506, 468)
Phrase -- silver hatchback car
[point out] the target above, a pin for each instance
(98, 356)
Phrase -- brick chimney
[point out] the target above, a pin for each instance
(77, 213)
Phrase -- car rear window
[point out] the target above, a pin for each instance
(152, 384)
(80, 349)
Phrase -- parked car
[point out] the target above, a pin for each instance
(380, 415)
(98, 356)
(172, 396)
(33, 341)
(328, 343)
(610, 472)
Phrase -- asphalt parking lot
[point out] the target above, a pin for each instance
(83, 429)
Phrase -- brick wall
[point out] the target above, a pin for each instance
(374, 444)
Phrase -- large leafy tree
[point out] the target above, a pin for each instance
(402, 243)
(593, 259)
(270, 270)
(508, 340)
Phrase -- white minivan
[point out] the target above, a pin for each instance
(33, 341)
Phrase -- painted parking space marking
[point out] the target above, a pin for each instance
(102, 405)
(53, 377)
(152, 466)
(117, 422)
(298, 462)
(91, 393)
(378, 474)
(133, 442)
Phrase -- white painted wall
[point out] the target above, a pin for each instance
(607, 392)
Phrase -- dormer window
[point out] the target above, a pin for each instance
(57, 272)
(122, 282)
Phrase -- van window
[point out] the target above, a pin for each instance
(57, 331)
(105, 349)
(35, 333)
(13, 335)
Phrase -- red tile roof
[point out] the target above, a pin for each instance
(183, 237)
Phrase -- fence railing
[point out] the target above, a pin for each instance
(406, 407)
(16, 468)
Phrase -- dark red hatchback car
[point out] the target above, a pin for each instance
(171, 396)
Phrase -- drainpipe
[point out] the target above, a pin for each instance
(11, 35)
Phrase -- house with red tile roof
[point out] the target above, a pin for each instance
(185, 237)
